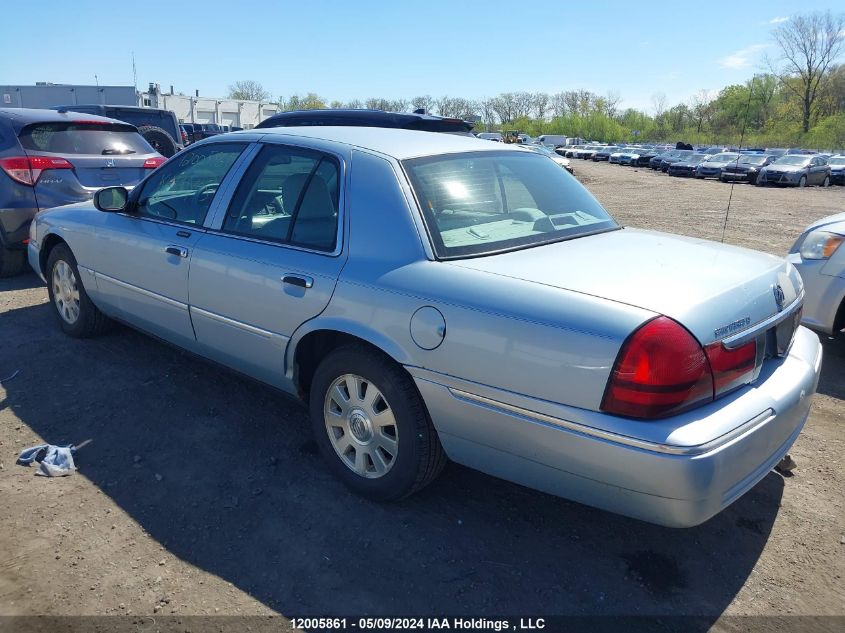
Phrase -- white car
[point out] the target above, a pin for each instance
(490, 136)
(557, 158)
(820, 260)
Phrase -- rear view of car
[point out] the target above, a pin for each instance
(49, 159)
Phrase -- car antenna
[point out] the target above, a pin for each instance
(739, 150)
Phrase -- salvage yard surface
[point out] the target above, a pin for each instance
(202, 492)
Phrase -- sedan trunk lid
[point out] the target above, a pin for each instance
(714, 290)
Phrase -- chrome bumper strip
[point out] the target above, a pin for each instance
(668, 449)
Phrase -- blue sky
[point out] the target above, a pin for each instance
(363, 48)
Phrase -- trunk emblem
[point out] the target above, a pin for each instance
(110, 162)
(780, 297)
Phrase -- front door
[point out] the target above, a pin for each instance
(818, 169)
(273, 263)
(142, 257)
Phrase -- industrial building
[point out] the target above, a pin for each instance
(196, 109)
(188, 109)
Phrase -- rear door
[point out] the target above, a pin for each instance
(82, 156)
(274, 262)
(141, 259)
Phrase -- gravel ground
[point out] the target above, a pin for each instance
(202, 493)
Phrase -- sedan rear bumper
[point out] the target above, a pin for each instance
(677, 484)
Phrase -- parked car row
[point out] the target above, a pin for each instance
(193, 132)
(759, 167)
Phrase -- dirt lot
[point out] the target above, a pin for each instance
(202, 493)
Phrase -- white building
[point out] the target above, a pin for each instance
(196, 109)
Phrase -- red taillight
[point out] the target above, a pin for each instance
(661, 370)
(27, 169)
(731, 367)
(153, 163)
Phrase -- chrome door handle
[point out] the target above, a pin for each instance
(176, 250)
(303, 281)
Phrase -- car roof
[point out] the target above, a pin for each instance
(395, 142)
(21, 117)
(370, 118)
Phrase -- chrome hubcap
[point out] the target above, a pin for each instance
(65, 292)
(361, 426)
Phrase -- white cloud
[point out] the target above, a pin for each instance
(741, 59)
(778, 20)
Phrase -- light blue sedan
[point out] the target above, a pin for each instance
(432, 296)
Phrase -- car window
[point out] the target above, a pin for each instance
(182, 189)
(288, 195)
(74, 138)
(485, 202)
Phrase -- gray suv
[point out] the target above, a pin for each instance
(49, 158)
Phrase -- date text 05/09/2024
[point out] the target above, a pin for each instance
(418, 624)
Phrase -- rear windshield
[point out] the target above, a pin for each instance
(101, 139)
(485, 202)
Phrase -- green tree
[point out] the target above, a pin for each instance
(809, 45)
(248, 90)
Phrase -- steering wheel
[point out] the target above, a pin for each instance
(206, 190)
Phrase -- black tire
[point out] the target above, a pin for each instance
(420, 457)
(722, 179)
(161, 141)
(90, 322)
(826, 182)
(12, 262)
(802, 181)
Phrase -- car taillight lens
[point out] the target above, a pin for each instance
(661, 370)
(27, 169)
(731, 367)
(153, 163)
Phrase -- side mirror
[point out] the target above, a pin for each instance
(111, 199)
